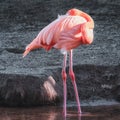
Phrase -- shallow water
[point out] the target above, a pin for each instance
(55, 113)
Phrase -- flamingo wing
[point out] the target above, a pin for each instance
(71, 38)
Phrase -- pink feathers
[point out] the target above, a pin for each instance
(66, 32)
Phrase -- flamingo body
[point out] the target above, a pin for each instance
(65, 33)
(51, 35)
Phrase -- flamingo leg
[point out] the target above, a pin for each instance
(72, 76)
(64, 76)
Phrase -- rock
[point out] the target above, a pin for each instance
(116, 92)
(26, 81)
(21, 90)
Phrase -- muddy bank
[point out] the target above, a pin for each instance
(94, 83)
(26, 82)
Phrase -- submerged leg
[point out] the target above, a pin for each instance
(64, 76)
(72, 76)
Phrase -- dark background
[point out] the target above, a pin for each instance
(97, 66)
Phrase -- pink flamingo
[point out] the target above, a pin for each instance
(65, 33)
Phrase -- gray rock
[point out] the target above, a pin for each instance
(27, 81)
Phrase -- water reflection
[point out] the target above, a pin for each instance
(55, 113)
